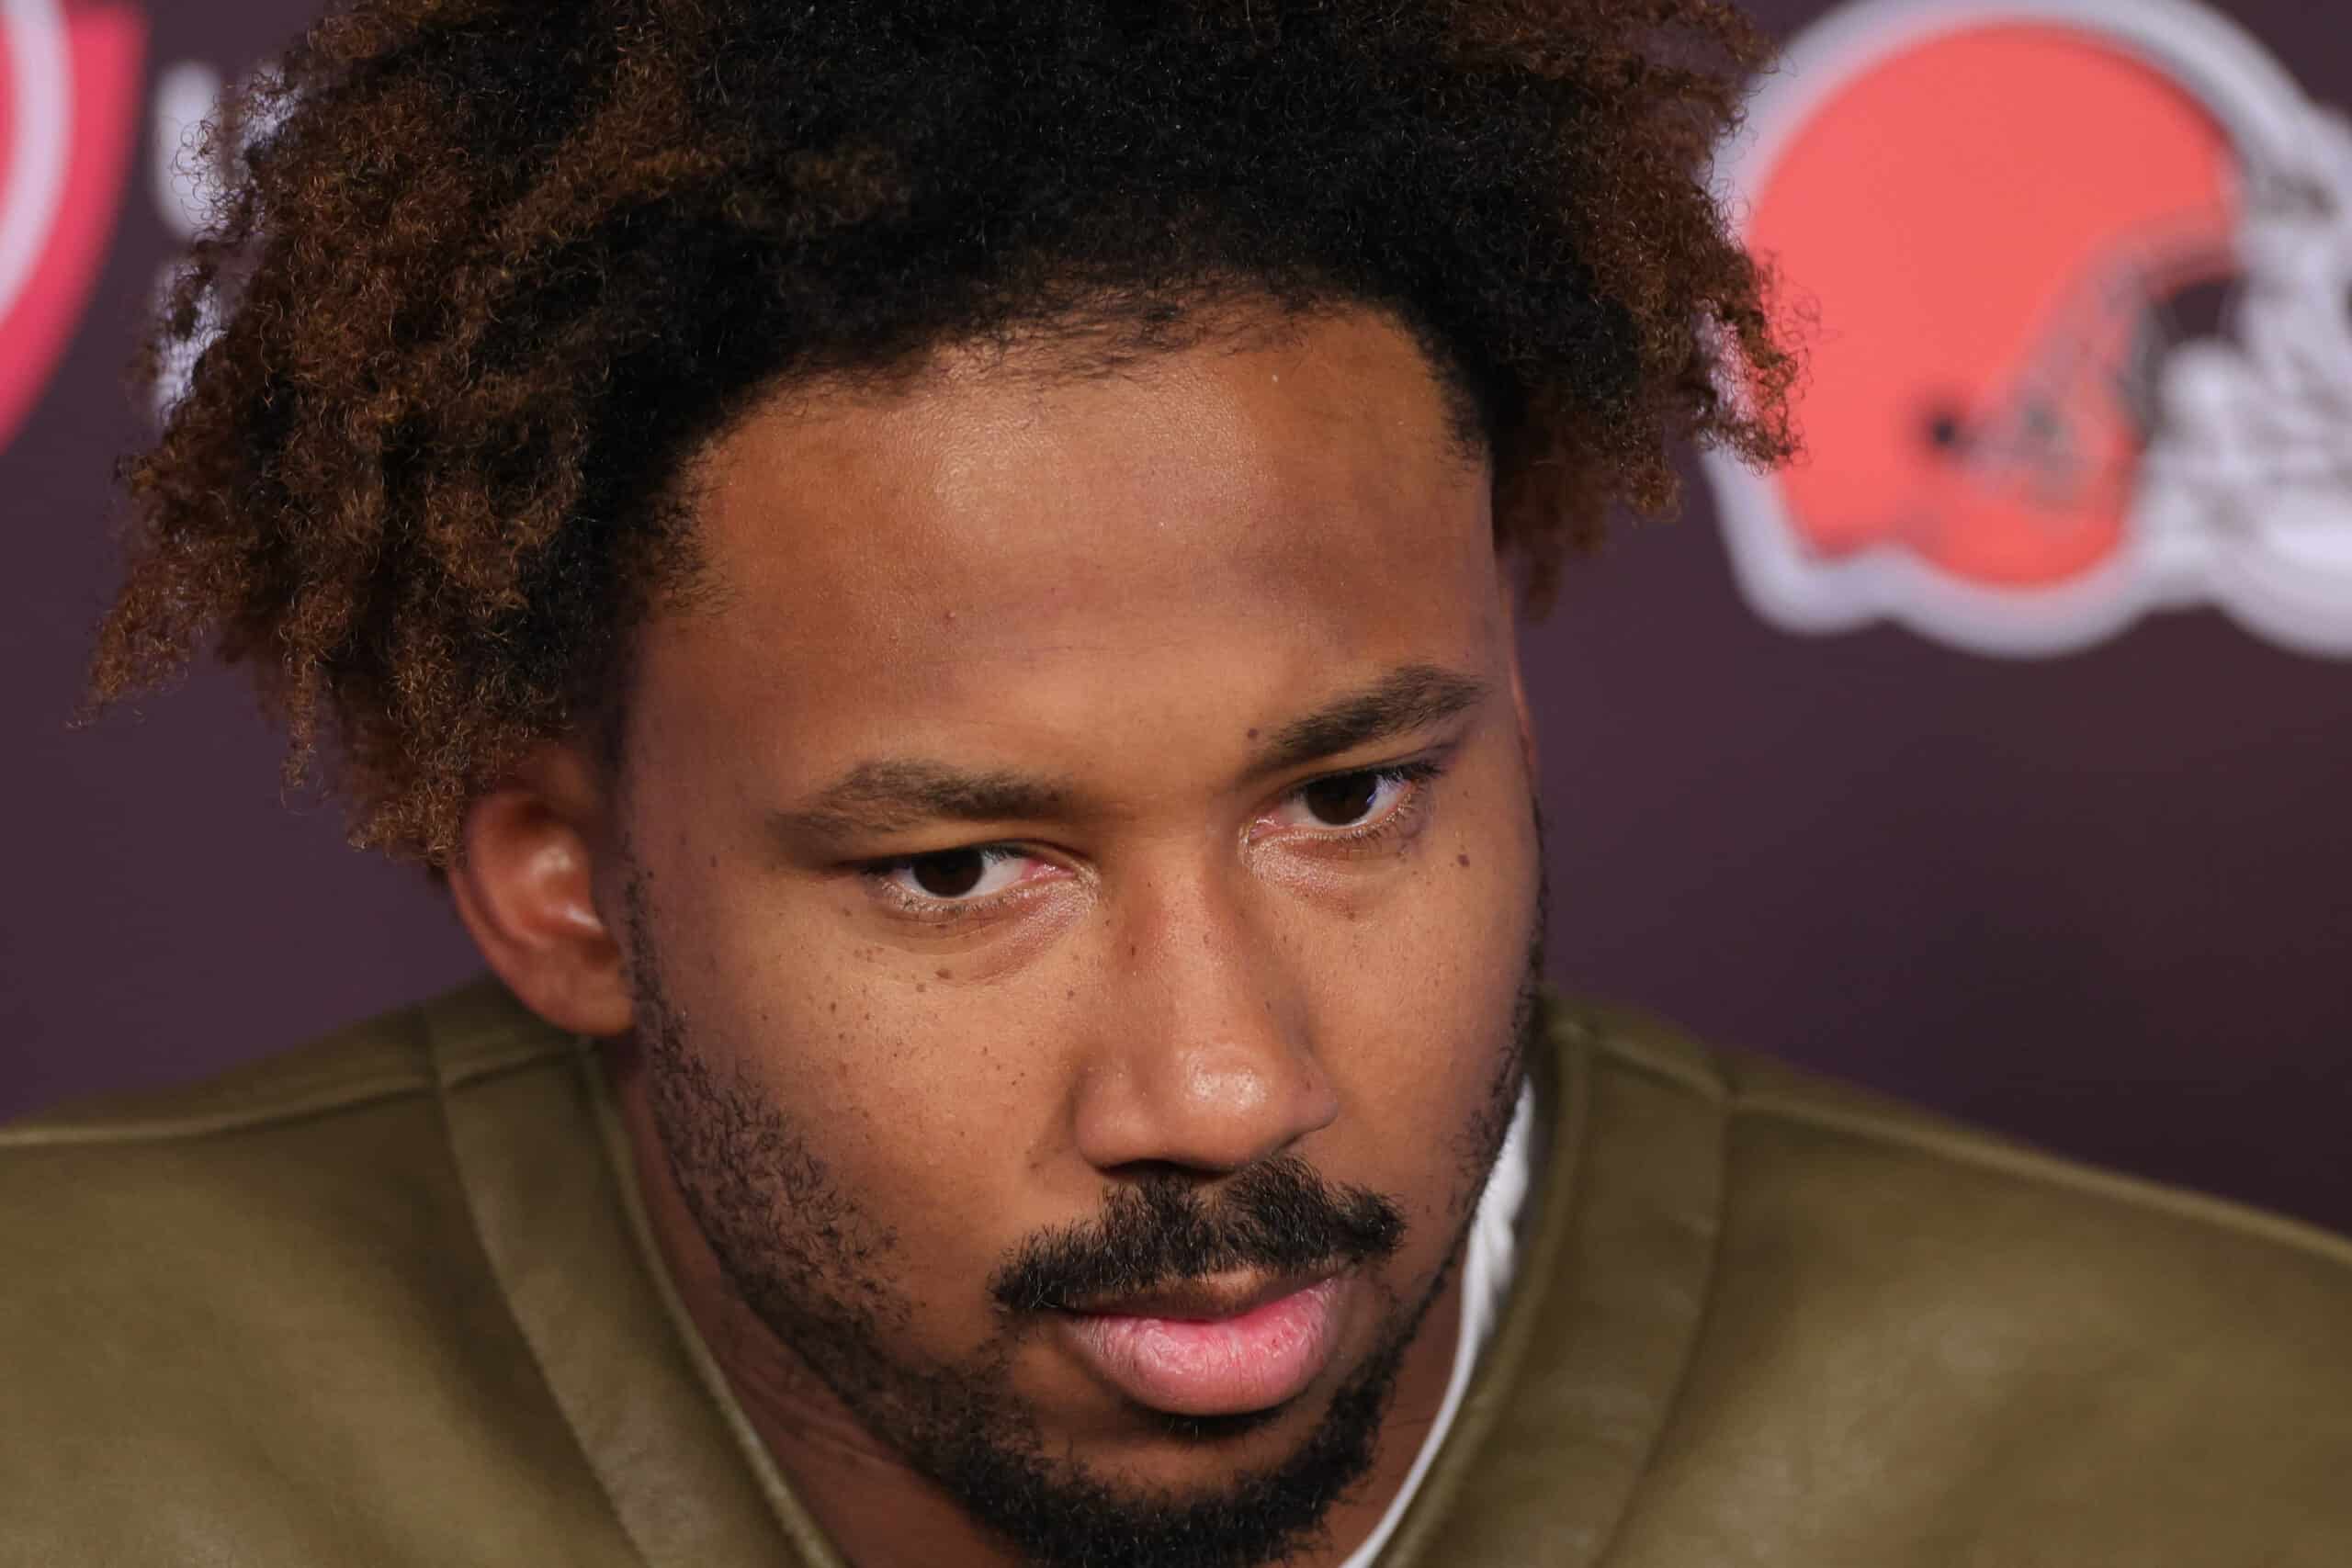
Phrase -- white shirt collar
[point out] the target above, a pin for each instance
(1487, 1262)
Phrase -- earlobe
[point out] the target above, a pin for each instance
(525, 890)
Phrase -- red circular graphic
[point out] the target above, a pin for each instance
(69, 101)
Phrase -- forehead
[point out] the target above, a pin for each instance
(991, 534)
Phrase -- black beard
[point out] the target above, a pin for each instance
(818, 1287)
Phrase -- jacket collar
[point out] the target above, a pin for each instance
(1570, 1400)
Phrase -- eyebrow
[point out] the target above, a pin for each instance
(893, 795)
(1413, 697)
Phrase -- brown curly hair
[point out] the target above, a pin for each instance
(488, 274)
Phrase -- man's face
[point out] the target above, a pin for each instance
(1080, 881)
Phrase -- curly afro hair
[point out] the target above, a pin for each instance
(487, 275)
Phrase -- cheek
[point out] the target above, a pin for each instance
(899, 1088)
(896, 1087)
(1416, 1020)
(1452, 933)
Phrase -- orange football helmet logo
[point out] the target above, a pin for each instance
(2073, 287)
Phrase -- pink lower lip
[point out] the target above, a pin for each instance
(1217, 1365)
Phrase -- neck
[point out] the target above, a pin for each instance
(877, 1511)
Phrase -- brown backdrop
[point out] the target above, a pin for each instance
(2099, 900)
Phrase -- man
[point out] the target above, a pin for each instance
(938, 581)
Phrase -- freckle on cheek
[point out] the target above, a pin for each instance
(946, 973)
(1462, 860)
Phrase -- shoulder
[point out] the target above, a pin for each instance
(1910, 1319)
(233, 1300)
(95, 1192)
(405, 1054)
(1799, 1143)
(333, 1140)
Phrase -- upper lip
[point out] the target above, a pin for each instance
(1223, 1295)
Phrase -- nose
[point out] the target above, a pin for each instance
(1203, 1059)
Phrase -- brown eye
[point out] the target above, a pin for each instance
(955, 879)
(1341, 801)
(950, 874)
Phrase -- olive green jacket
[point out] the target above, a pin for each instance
(390, 1300)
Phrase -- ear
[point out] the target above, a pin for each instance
(525, 889)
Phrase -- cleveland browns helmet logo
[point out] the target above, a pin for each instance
(2074, 279)
(69, 93)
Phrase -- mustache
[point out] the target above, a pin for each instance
(1279, 1216)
